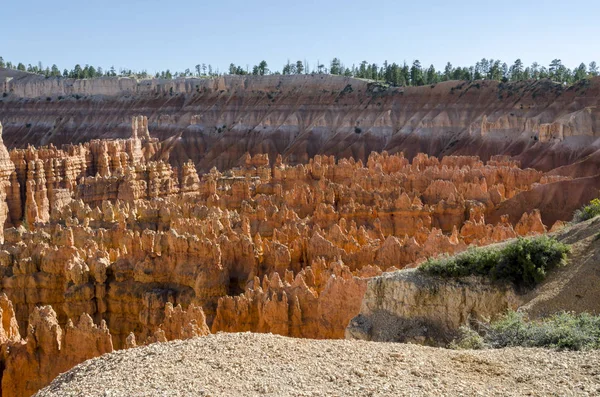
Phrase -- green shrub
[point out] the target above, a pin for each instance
(524, 262)
(468, 338)
(564, 331)
(586, 212)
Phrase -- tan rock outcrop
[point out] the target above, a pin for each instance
(412, 307)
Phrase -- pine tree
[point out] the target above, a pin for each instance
(448, 71)
(580, 72)
(535, 70)
(432, 76)
(593, 69)
(77, 72)
(335, 66)
(262, 68)
(516, 71)
(416, 74)
(556, 69)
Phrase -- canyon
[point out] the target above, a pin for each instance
(137, 212)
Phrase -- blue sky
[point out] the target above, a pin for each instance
(156, 35)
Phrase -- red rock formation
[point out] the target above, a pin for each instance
(108, 233)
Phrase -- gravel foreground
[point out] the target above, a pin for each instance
(247, 364)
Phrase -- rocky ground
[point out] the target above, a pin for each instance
(247, 364)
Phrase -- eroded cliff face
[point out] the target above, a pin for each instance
(107, 244)
(214, 122)
(412, 307)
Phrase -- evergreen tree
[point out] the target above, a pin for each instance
(362, 70)
(448, 71)
(516, 71)
(262, 68)
(432, 77)
(505, 72)
(77, 72)
(416, 74)
(2, 64)
(580, 72)
(374, 72)
(335, 66)
(535, 70)
(556, 69)
(21, 67)
(299, 67)
(593, 69)
(495, 70)
(485, 66)
(405, 72)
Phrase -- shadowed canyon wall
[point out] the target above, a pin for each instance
(214, 122)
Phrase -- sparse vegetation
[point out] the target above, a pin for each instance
(564, 331)
(524, 262)
(586, 212)
(347, 89)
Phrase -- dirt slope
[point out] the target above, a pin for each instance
(556, 201)
(574, 287)
(263, 364)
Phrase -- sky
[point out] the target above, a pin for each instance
(157, 35)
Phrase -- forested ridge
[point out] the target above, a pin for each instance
(395, 74)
